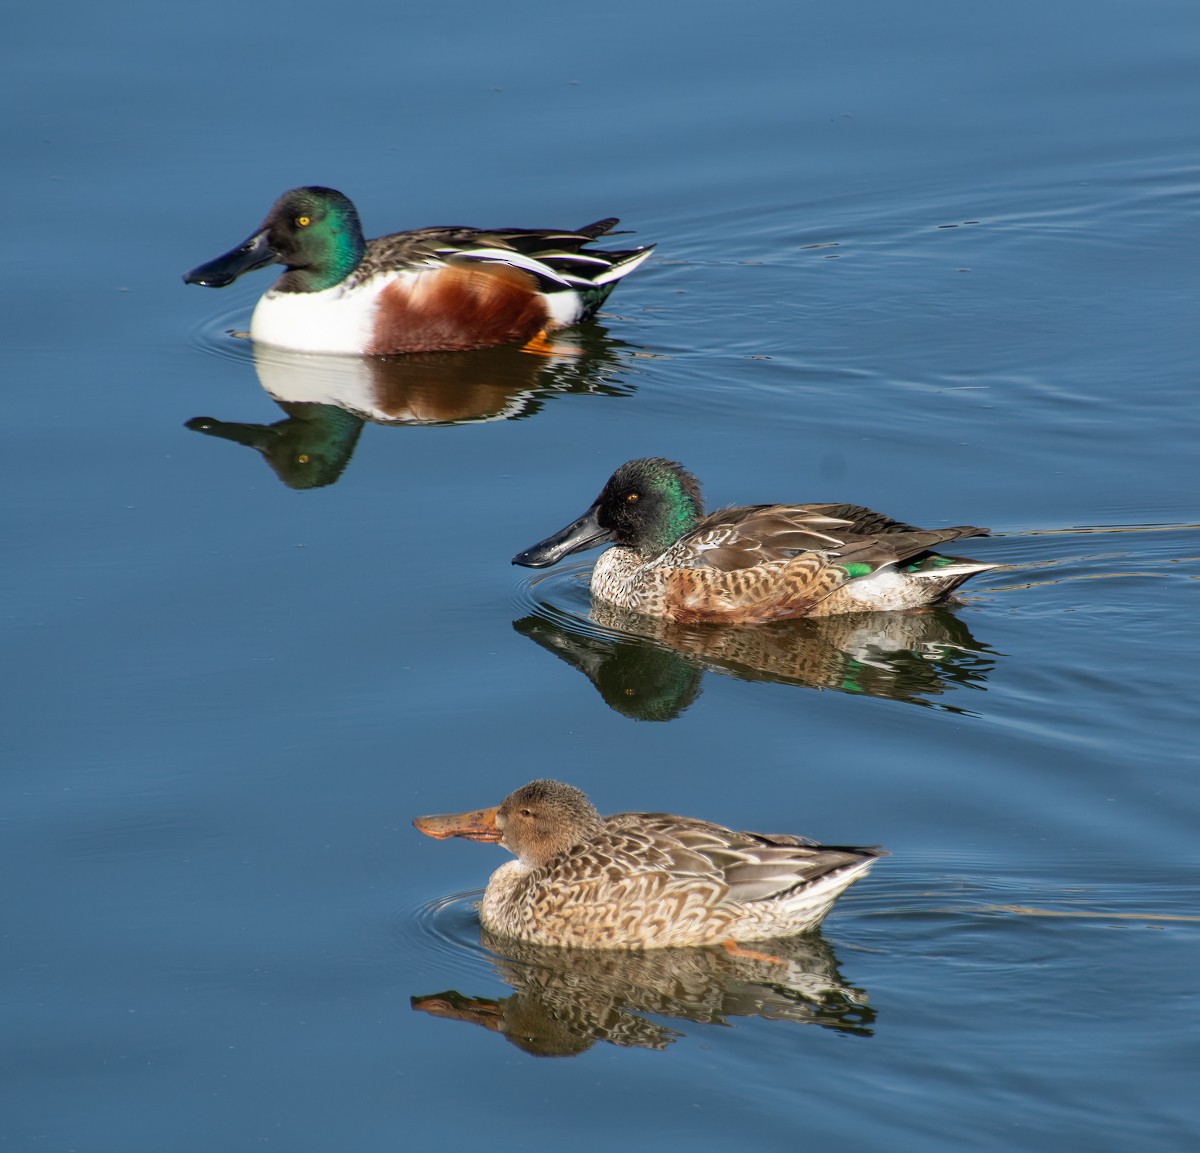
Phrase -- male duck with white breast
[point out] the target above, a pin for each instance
(426, 290)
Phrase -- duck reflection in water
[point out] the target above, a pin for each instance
(651, 669)
(327, 399)
(565, 1000)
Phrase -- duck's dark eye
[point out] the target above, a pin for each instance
(632, 498)
(303, 221)
(527, 812)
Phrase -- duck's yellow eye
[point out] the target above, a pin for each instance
(303, 221)
(632, 497)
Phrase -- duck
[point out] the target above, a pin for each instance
(426, 290)
(753, 564)
(644, 880)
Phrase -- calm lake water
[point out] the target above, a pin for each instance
(936, 259)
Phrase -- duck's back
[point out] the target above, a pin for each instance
(656, 880)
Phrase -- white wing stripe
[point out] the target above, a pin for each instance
(516, 259)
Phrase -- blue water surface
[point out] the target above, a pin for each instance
(935, 259)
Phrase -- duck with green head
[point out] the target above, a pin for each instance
(426, 290)
(751, 564)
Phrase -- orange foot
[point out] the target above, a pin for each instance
(735, 950)
(541, 346)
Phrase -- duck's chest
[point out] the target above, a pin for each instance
(622, 577)
(538, 906)
(335, 320)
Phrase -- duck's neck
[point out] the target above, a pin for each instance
(340, 253)
(682, 518)
(678, 508)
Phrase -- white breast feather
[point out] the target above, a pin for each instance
(332, 321)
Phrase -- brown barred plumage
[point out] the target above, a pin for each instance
(752, 564)
(644, 880)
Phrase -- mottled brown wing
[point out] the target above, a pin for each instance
(658, 847)
(750, 866)
(860, 521)
(742, 538)
(898, 545)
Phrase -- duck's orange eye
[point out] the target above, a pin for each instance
(303, 221)
(632, 497)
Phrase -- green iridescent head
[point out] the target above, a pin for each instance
(647, 505)
(314, 232)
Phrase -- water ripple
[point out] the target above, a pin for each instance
(221, 334)
(560, 593)
(445, 928)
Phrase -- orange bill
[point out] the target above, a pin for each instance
(477, 826)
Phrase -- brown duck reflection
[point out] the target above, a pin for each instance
(564, 1000)
(651, 669)
(327, 399)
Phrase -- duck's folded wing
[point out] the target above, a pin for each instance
(749, 866)
(742, 538)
